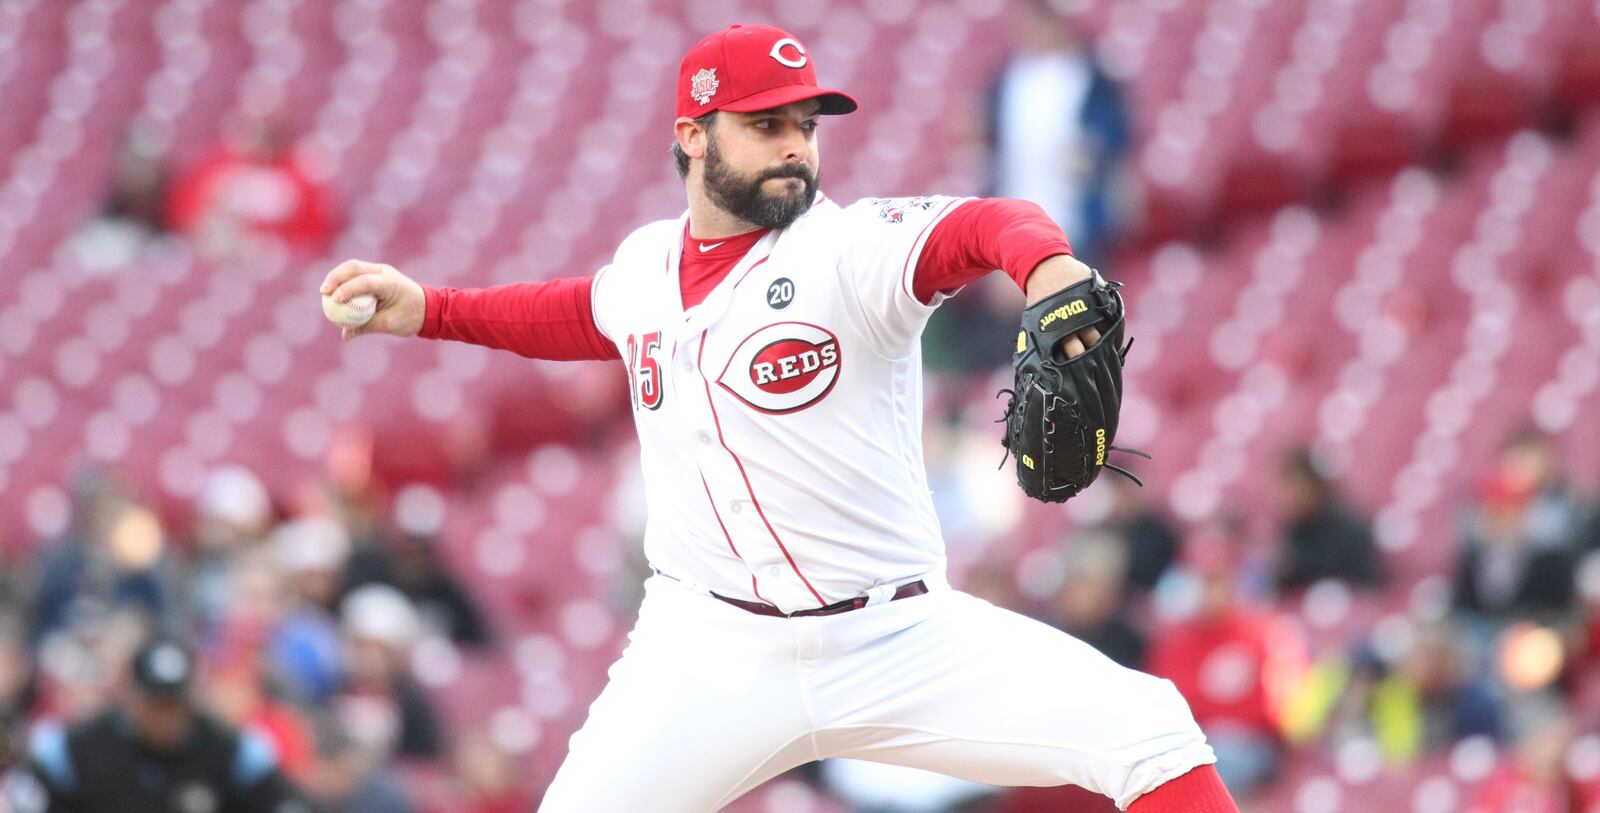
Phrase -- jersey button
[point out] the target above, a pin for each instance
(705, 438)
(736, 506)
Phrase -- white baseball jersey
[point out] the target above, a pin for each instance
(780, 430)
(780, 420)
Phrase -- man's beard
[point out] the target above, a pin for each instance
(744, 198)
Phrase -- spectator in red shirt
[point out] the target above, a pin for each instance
(1233, 662)
(256, 186)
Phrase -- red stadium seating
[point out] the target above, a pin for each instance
(473, 142)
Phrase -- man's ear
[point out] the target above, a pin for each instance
(692, 137)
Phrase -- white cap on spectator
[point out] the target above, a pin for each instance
(382, 613)
(311, 543)
(235, 495)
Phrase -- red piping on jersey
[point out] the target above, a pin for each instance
(711, 501)
(748, 270)
(699, 362)
(725, 535)
(916, 245)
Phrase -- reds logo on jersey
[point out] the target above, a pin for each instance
(783, 367)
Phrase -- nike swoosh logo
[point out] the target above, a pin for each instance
(704, 248)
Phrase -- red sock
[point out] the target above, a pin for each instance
(1198, 791)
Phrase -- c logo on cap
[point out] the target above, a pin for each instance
(777, 53)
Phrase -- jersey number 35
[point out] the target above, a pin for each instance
(645, 370)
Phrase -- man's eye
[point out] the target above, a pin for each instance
(809, 126)
(765, 124)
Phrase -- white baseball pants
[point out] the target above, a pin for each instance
(709, 700)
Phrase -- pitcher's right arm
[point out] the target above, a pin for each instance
(545, 320)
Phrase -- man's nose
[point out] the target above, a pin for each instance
(794, 145)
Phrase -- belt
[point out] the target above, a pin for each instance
(915, 588)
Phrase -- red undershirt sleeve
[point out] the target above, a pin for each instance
(978, 237)
(543, 320)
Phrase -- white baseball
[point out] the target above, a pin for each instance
(355, 313)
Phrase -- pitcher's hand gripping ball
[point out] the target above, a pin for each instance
(1061, 418)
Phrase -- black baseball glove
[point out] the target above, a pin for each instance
(1062, 417)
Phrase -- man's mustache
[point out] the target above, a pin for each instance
(800, 171)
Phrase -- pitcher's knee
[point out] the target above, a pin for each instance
(1165, 743)
(1170, 704)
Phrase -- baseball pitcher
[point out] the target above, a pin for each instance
(799, 608)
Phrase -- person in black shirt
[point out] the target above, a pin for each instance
(1323, 537)
(1505, 567)
(153, 753)
(412, 564)
(1148, 536)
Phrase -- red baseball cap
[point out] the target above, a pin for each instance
(745, 68)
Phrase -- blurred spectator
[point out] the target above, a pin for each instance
(305, 643)
(1089, 606)
(1588, 533)
(1520, 544)
(1533, 776)
(236, 692)
(1583, 638)
(1507, 568)
(412, 565)
(17, 687)
(1554, 516)
(1333, 701)
(1146, 533)
(254, 185)
(1058, 130)
(79, 666)
(378, 703)
(153, 752)
(232, 513)
(114, 554)
(1234, 663)
(1500, 573)
(351, 778)
(1322, 537)
(485, 779)
(1432, 698)
(133, 210)
(345, 494)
